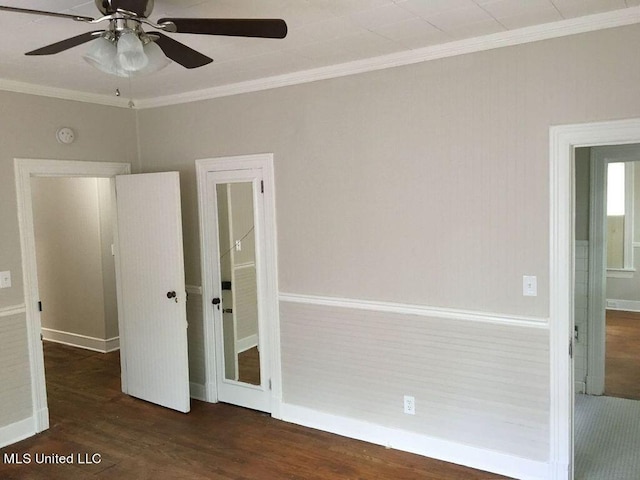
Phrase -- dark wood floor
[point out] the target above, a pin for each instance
(249, 366)
(139, 440)
(622, 367)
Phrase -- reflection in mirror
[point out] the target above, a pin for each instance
(239, 284)
(615, 214)
(620, 215)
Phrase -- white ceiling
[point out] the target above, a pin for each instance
(321, 33)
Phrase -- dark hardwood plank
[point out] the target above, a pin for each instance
(138, 440)
(622, 364)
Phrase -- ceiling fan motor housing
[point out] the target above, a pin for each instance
(142, 8)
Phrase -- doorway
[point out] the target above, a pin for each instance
(605, 277)
(563, 142)
(239, 281)
(25, 170)
(73, 226)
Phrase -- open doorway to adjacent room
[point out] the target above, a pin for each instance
(606, 312)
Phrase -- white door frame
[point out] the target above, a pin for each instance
(596, 325)
(563, 141)
(209, 260)
(25, 169)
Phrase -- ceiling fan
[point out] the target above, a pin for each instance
(126, 50)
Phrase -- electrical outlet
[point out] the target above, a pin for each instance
(529, 286)
(409, 405)
(5, 279)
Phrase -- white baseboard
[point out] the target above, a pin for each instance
(81, 341)
(17, 431)
(246, 343)
(197, 391)
(474, 457)
(624, 305)
(580, 387)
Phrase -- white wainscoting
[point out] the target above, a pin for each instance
(480, 381)
(623, 305)
(17, 431)
(81, 341)
(12, 310)
(195, 338)
(246, 343)
(17, 417)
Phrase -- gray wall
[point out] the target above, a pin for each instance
(425, 184)
(73, 233)
(422, 184)
(29, 124)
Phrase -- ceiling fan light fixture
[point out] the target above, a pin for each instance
(102, 54)
(157, 59)
(131, 56)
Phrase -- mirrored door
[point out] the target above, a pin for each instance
(241, 366)
(237, 240)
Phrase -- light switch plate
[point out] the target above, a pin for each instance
(529, 286)
(5, 279)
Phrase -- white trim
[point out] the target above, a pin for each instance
(24, 169)
(562, 28)
(474, 457)
(197, 391)
(562, 142)
(421, 310)
(600, 21)
(620, 272)
(101, 345)
(246, 343)
(63, 93)
(240, 266)
(17, 431)
(264, 162)
(623, 305)
(597, 272)
(12, 310)
(194, 289)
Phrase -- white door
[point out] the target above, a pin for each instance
(151, 289)
(236, 233)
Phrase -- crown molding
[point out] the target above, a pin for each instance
(563, 28)
(62, 93)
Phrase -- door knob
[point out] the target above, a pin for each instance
(171, 294)
(216, 301)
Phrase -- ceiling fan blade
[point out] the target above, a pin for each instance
(78, 18)
(179, 52)
(235, 27)
(66, 44)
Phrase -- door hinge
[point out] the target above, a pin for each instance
(269, 384)
(261, 186)
(39, 306)
(571, 348)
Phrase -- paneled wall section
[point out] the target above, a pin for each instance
(468, 378)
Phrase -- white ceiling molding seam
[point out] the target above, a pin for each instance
(563, 28)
